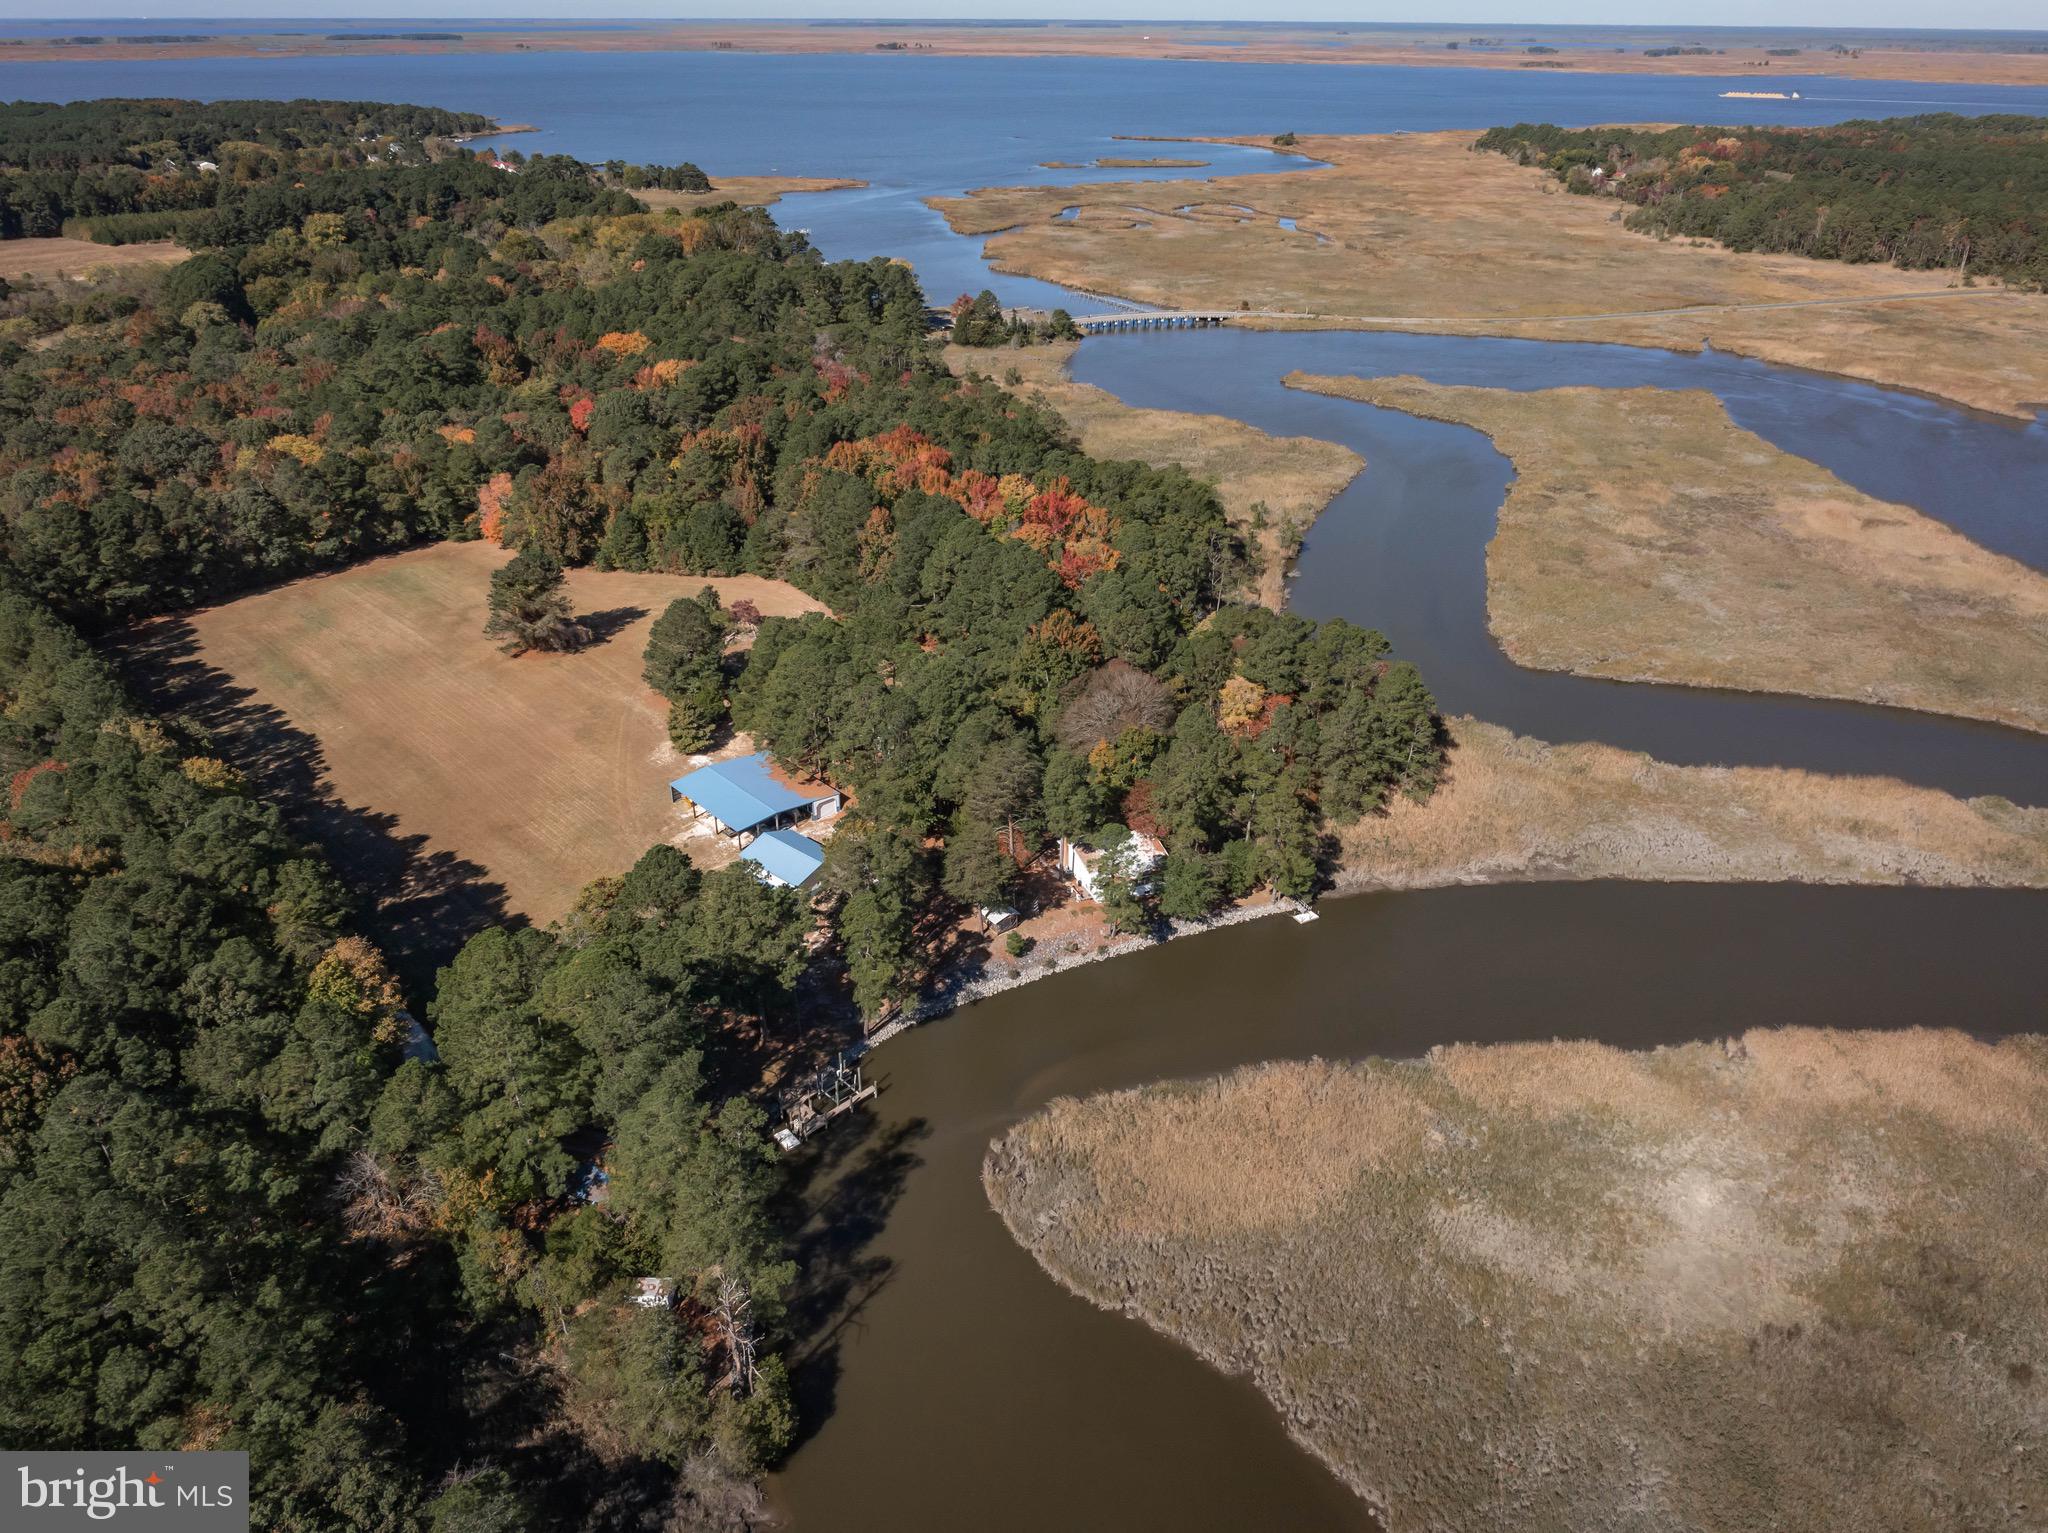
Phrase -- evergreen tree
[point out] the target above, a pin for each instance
(529, 606)
(1190, 885)
(979, 321)
(1116, 879)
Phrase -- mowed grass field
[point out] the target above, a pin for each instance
(52, 258)
(453, 784)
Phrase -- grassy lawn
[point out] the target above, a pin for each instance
(1790, 1280)
(56, 258)
(452, 784)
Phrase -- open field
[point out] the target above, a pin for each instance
(1790, 1280)
(1514, 808)
(751, 191)
(1960, 59)
(1416, 232)
(1292, 477)
(451, 784)
(53, 258)
(1647, 537)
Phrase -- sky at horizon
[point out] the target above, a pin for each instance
(1851, 15)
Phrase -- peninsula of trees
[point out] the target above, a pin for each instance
(124, 171)
(1966, 193)
(241, 1204)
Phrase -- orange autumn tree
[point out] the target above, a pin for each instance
(490, 507)
(622, 343)
(894, 461)
(1075, 537)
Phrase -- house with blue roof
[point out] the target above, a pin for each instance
(784, 858)
(749, 796)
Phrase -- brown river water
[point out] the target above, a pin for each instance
(956, 1386)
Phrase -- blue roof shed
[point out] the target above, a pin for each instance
(785, 856)
(740, 793)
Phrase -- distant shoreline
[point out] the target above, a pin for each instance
(496, 130)
(1738, 53)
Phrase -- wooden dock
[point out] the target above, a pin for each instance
(837, 1089)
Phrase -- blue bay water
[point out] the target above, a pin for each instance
(916, 127)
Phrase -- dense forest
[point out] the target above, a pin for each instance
(243, 1202)
(118, 171)
(234, 1214)
(90, 159)
(1966, 193)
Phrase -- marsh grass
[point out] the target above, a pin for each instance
(1514, 808)
(1422, 234)
(1786, 1281)
(748, 191)
(1647, 537)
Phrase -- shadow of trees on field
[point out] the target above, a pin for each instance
(842, 1196)
(609, 624)
(420, 905)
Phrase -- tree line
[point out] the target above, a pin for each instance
(1940, 190)
(118, 171)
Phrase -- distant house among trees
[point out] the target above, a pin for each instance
(750, 796)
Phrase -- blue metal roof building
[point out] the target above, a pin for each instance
(785, 857)
(747, 793)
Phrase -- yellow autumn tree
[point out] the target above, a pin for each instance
(212, 772)
(353, 977)
(1239, 705)
(292, 445)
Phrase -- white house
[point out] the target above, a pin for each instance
(1083, 863)
(653, 1292)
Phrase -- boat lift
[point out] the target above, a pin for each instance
(836, 1088)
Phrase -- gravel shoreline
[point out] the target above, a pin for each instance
(1056, 957)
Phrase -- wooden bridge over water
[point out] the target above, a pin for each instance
(1156, 319)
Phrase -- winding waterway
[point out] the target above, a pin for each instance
(1402, 548)
(949, 1383)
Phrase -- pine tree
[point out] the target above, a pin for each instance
(1116, 880)
(529, 606)
(1190, 885)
